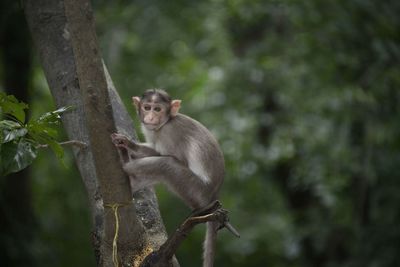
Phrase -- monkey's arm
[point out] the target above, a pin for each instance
(130, 149)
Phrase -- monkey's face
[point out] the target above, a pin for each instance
(153, 115)
(155, 108)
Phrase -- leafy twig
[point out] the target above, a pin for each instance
(76, 143)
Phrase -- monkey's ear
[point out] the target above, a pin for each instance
(136, 102)
(175, 106)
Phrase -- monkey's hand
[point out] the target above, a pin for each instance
(121, 143)
(133, 149)
(120, 140)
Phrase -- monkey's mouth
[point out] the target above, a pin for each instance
(151, 126)
(155, 126)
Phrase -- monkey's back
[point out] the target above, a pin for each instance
(193, 144)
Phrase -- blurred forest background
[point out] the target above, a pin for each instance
(302, 95)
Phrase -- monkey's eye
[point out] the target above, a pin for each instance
(157, 109)
(147, 108)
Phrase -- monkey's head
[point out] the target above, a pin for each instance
(155, 107)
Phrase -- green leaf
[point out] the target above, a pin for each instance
(57, 148)
(13, 134)
(18, 141)
(11, 130)
(46, 123)
(36, 128)
(44, 138)
(15, 156)
(63, 109)
(10, 105)
(9, 124)
(53, 116)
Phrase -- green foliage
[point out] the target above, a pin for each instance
(12, 107)
(20, 140)
(303, 97)
(44, 130)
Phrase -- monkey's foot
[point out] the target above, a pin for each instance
(210, 213)
(222, 218)
(217, 214)
(210, 208)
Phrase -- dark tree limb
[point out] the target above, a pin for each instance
(211, 213)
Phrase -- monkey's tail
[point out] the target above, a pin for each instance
(210, 244)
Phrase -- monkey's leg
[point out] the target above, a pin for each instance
(178, 178)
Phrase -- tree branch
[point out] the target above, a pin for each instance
(64, 35)
(76, 143)
(211, 213)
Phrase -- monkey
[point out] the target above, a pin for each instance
(179, 152)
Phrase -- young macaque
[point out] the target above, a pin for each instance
(179, 152)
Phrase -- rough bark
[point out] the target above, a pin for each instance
(64, 35)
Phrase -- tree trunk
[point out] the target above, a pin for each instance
(64, 34)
